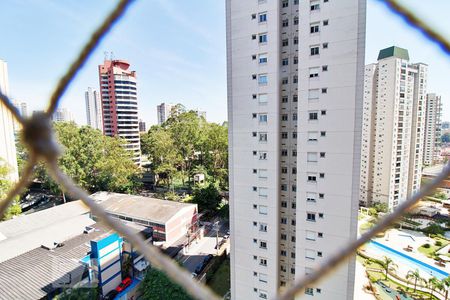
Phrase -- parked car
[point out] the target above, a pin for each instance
(124, 284)
(207, 259)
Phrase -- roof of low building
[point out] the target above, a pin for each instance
(56, 224)
(139, 207)
(394, 51)
(39, 272)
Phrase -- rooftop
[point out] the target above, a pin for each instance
(39, 272)
(145, 208)
(56, 224)
(393, 52)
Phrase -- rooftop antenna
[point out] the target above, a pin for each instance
(112, 55)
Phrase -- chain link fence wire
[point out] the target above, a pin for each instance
(40, 141)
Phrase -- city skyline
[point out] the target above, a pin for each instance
(163, 68)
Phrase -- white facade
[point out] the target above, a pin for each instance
(62, 115)
(432, 141)
(93, 109)
(294, 141)
(8, 145)
(393, 128)
(163, 112)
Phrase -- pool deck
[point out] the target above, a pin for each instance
(394, 239)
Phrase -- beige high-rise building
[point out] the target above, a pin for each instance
(432, 141)
(163, 112)
(393, 128)
(295, 84)
(7, 140)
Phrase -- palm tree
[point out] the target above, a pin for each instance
(433, 283)
(446, 283)
(388, 265)
(415, 275)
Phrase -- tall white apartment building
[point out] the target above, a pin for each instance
(163, 112)
(22, 107)
(393, 128)
(432, 140)
(295, 84)
(93, 109)
(7, 140)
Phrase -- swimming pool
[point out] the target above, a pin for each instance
(403, 259)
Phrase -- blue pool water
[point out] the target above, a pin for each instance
(403, 259)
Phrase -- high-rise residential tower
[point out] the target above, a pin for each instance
(93, 109)
(8, 144)
(142, 126)
(163, 112)
(393, 128)
(295, 84)
(432, 140)
(62, 115)
(119, 104)
(22, 107)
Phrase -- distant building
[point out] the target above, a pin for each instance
(432, 141)
(445, 127)
(120, 104)
(142, 126)
(62, 115)
(393, 128)
(7, 140)
(163, 112)
(93, 109)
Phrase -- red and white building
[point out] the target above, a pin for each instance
(119, 104)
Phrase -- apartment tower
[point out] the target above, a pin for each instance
(432, 140)
(393, 128)
(163, 112)
(7, 140)
(295, 86)
(119, 104)
(93, 109)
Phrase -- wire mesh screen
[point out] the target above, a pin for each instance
(40, 141)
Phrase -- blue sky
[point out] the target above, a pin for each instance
(176, 47)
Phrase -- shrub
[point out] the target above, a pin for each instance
(438, 244)
(427, 246)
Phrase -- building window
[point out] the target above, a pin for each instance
(295, 40)
(283, 220)
(295, 59)
(263, 118)
(263, 210)
(295, 79)
(312, 136)
(285, 23)
(285, 42)
(263, 38)
(310, 254)
(262, 155)
(324, 90)
(314, 28)
(284, 135)
(312, 156)
(324, 68)
(311, 197)
(294, 98)
(262, 80)
(321, 215)
(325, 22)
(262, 17)
(263, 227)
(323, 133)
(325, 45)
(314, 50)
(284, 152)
(285, 80)
(263, 244)
(262, 173)
(310, 235)
(309, 291)
(322, 154)
(263, 262)
(285, 61)
(313, 94)
(262, 98)
(285, 3)
(311, 217)
(263, 294)
(284, 99)
(314, 72)
(262, 59)
(312, 178)
(313, 116)
(323, 112)
(296, 21)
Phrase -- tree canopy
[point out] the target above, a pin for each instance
(157, 286)
(186, 143)
(5, 184)
(95, 161)
(207, 197)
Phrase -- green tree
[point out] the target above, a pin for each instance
(445, 138)
(96, 162)
(446, 282)
(433, 284)
(78, 294)
(388, 265)
(215, 152)
(207, 197)
(415, 275)
(434, 228)
(5, 185)
(381, 207)
(162, 152)
(157, 286)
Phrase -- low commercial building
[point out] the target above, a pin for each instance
(170, 221)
